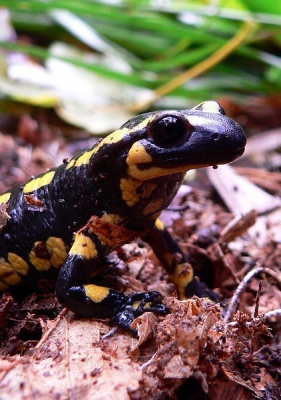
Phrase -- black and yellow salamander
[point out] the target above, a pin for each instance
(69, 218)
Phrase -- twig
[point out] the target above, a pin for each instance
(49, 331)
(7, 368)
(256, 312)
(145, 365)
(238, 225)
(273, 313)
(241, 287)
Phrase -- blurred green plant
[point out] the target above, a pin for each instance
(173, 52)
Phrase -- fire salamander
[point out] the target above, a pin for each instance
(70, 217)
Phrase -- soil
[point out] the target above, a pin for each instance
(202, 349)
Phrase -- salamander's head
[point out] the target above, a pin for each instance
(163, 143)
(146, 158)
(173, 142)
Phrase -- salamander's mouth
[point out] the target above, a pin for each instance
(197, 159)
(205, 160)
(238, 153)
(153, 167)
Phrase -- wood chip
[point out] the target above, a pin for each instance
(241, 196)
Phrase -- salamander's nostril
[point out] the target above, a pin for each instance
(215, 136)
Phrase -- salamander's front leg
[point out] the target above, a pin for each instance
(176, 264)
(86, 299)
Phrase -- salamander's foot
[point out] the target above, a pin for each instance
(136, 305)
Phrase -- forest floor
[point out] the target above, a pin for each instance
(201, 349)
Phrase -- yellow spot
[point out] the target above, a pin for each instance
(4, 198)
(8, 274)
(39, 182)
(83, 246)
(209, 106)
(129, 191)
(86, 156)
(159, 225)
(138, 155)
(114, 137)
(58, 251)
(96, 293)
(71, 163)
(181, 277)
(136, 305)
(111, 218)
(18, 263)
(3, 286)
(144, 123)
(128, 188)
(41, 264)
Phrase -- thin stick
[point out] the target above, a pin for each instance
(273, 313)
(256, 312)
(49, 331)
(241, 287)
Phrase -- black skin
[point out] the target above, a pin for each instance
(176, 141)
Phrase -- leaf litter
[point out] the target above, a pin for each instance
(48, 352)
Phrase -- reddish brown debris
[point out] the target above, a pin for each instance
(193, 341)
(237, 359)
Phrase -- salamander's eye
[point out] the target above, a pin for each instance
(170, 130)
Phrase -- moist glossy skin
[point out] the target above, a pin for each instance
(69, 218)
